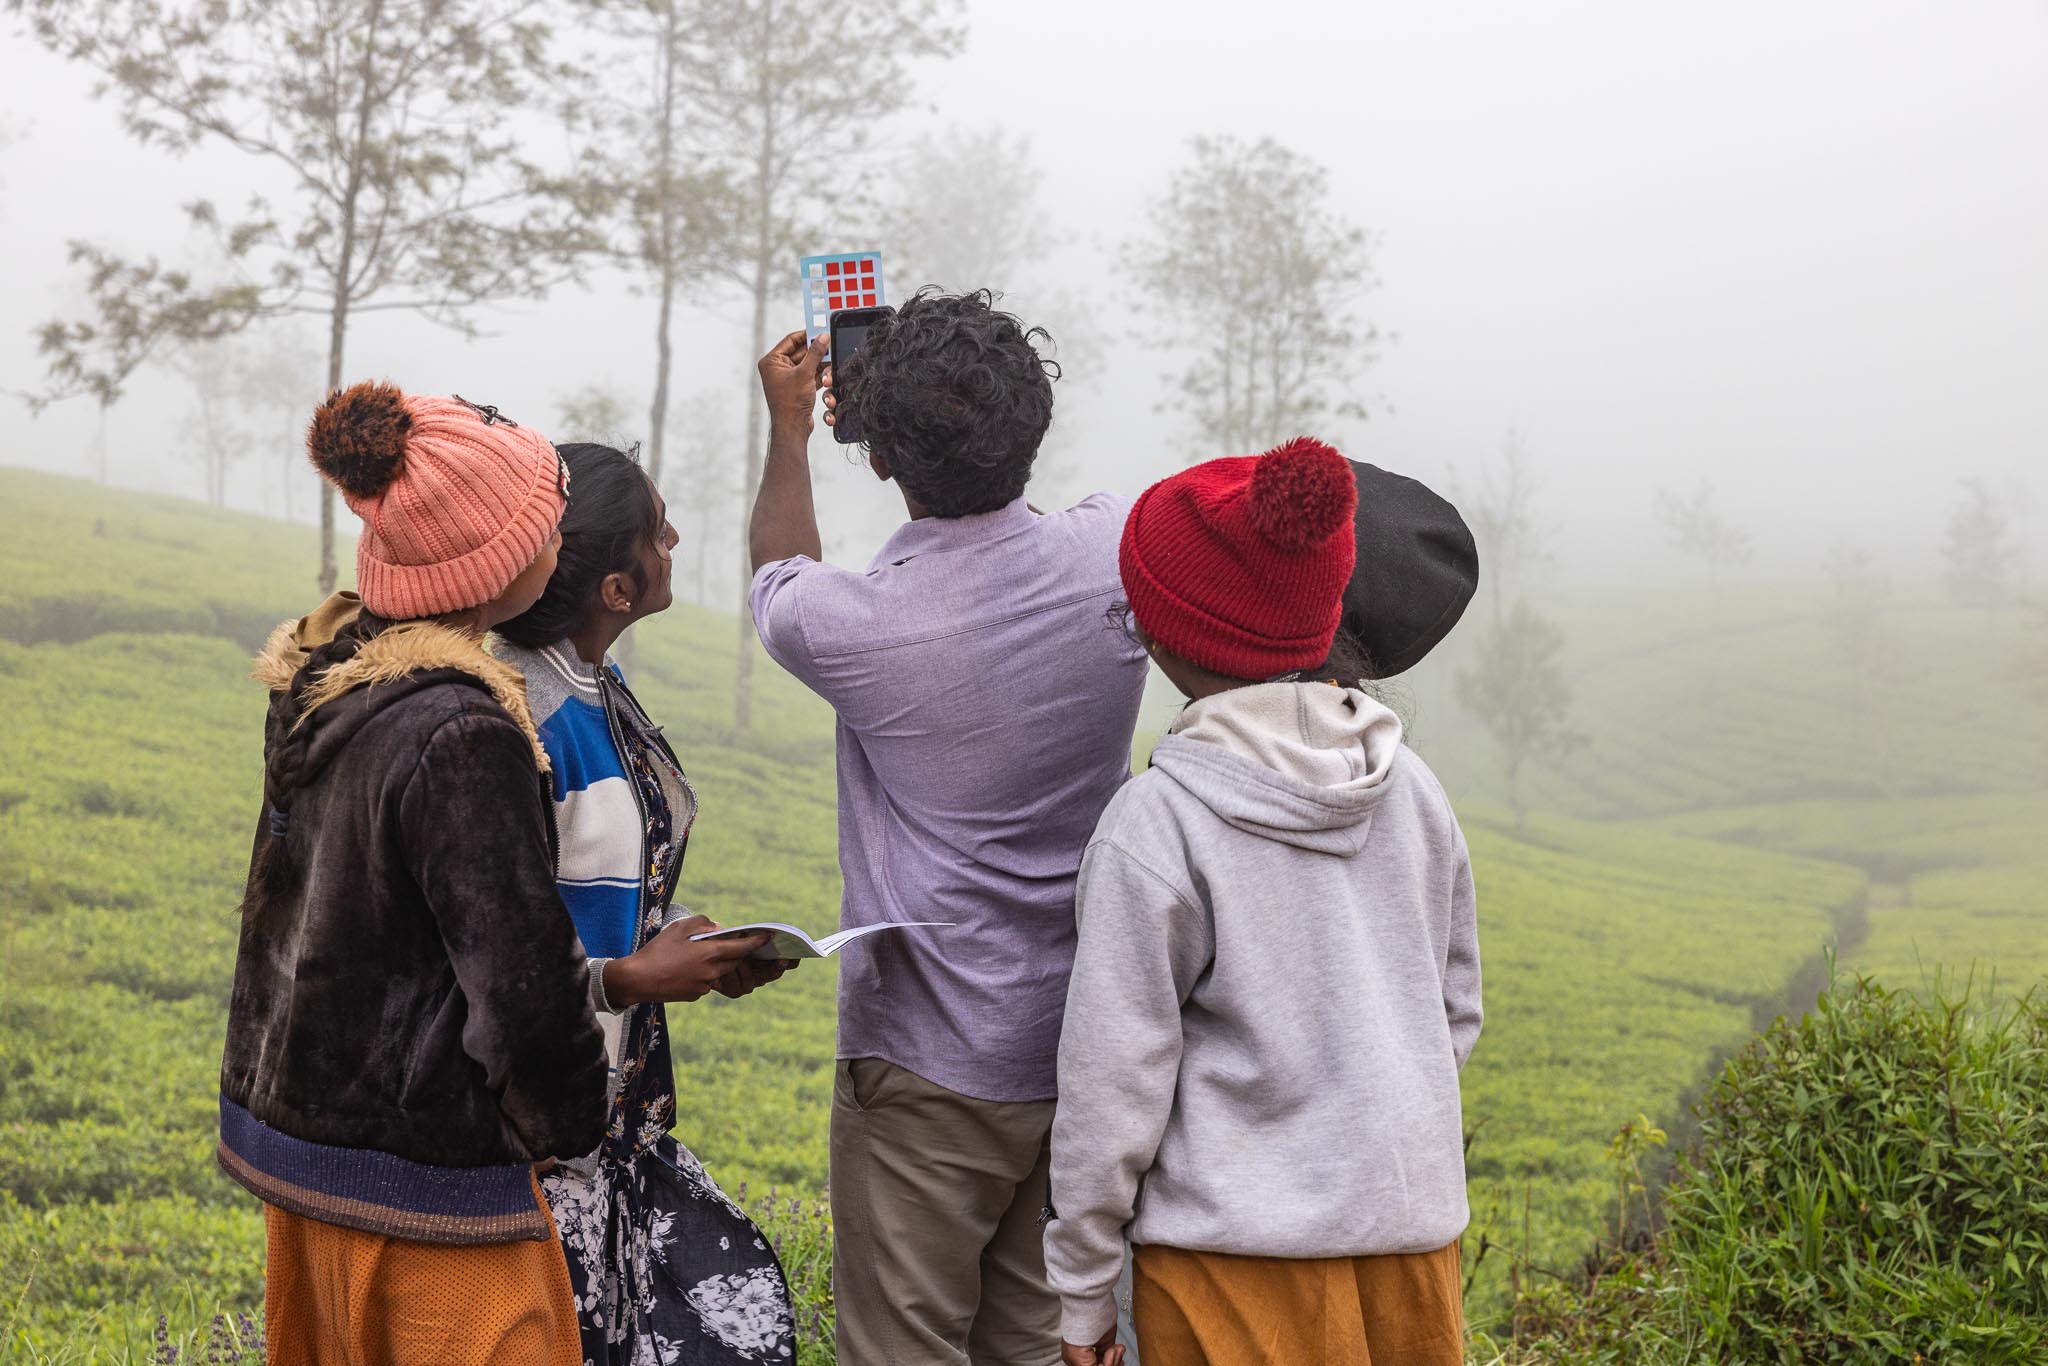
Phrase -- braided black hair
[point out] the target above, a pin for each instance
(275, 875)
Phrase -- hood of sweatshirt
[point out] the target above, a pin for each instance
(1301, 763)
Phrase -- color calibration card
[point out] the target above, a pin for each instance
(851, 279)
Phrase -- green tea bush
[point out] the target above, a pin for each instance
(1870, 1184)
(95, 1276)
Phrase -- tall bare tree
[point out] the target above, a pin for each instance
(1698, 529)
(1517, 689)
(594, 413)
(966, 211)
(1250, 262)
(1858, 596)
(211, 375)
(790, 97)
(673, 197)
(388, 124)
(280, 380)
(703, 484)
(1513, 682)
(1855, 627)
(1499, 506)
(1982, 557)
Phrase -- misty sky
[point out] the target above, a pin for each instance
(1798, 249)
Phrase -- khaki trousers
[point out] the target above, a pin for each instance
(937, 1254)
(1212, 1309)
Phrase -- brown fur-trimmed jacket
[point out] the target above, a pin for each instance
(408, 979)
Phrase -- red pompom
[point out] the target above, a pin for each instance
(1302, 493)
(358, 438)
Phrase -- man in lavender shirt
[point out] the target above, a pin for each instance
(985, 704)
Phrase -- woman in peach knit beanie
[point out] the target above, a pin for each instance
(410, 1032)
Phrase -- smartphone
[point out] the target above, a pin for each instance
(850, 328)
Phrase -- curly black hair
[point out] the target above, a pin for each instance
(954, 398)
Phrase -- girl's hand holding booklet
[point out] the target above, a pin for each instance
(787, 941)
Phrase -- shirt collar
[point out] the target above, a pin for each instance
(563, 659)
(929, 535)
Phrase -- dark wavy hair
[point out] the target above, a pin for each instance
(612, 517)
(954, 398)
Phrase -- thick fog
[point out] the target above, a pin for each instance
(1796, 251)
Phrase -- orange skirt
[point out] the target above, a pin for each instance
(1211, 1309)
(337, 1296)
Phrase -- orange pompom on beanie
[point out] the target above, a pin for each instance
(1239, 565)
(456, 501)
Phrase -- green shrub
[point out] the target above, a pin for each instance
(1870, 1184)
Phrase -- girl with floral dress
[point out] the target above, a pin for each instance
(665, 1268)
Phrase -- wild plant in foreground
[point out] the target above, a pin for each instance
(229, 1342)
(1869, 1184)
(800, 1231)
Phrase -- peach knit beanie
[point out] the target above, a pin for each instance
(456, 500)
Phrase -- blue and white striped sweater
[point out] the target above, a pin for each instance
(597, 815)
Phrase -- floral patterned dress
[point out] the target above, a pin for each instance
(667, 1270)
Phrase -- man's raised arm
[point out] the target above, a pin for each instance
(785, 522)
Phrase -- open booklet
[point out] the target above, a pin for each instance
(791, 942)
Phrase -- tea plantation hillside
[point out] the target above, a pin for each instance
(1956, 882)
(1624, 958)
(1752, 696)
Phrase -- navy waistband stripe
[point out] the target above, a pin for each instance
(322, 1177)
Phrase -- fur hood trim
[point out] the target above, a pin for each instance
(397, 652)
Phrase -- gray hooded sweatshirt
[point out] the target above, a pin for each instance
(1276, 985)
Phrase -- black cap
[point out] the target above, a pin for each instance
(1417, 568)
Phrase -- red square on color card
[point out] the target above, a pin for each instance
(869, 300)
(866, 267)
(831, 267)
(867, 282)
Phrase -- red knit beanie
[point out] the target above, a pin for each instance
(456, 500)
(1239, 565)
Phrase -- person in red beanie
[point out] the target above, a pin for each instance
(1277, 980)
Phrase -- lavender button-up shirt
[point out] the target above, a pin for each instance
(986, 705)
